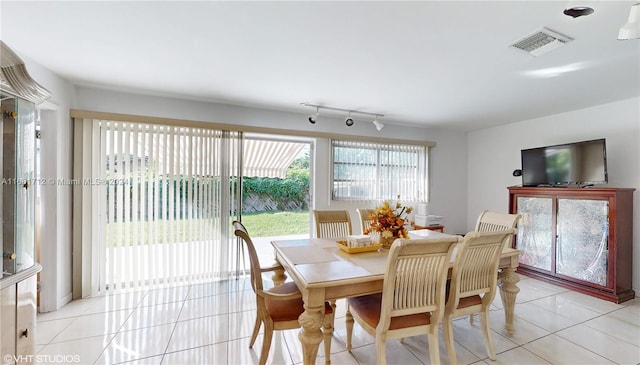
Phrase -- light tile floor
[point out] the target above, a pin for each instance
(211, 324)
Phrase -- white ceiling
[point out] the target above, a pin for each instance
(434, 64)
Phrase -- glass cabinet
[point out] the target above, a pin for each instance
(580, 238)
(18, 174)
(18, 283)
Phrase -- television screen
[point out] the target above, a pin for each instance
(581, 163)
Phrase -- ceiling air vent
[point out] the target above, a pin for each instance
(541, 42)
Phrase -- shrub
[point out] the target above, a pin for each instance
(293, 189)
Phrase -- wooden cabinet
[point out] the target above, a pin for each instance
(579, 238)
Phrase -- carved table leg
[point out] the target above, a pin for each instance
(349, 321)
(311, 321)
(328, 334)
(508, 292)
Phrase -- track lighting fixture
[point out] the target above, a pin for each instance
(348, 121)
(378, 125)
(314, 117)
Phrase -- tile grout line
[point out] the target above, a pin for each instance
(106, 346)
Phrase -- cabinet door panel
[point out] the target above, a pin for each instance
(26, 316)
(534, 234)
(582, 243)
(25, 187)
(8, 321)
(17, 192)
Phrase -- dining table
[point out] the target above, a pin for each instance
(323, 272)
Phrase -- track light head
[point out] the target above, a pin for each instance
(348, 121)
(631, 30)
(314, 117)
(378, 125)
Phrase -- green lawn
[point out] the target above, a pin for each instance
(276, 223)
(258, 224)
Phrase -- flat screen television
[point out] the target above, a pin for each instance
(580, 163)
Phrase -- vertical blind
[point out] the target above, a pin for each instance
(377, 171)
(167, 195)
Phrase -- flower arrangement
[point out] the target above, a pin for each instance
(388, 220)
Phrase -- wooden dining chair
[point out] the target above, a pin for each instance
(412, 299)
(489, 221)
(473, 284)
(365, 218)
(332, 223)
(279, 307)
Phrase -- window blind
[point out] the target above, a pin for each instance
(378, 171)
(167, 195)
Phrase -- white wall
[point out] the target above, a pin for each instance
(55, 247)
(494, 153)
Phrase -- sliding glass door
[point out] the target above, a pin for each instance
(275, 190)
(153, 203)
(166, 198)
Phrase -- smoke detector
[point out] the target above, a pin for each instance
(542, 41)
